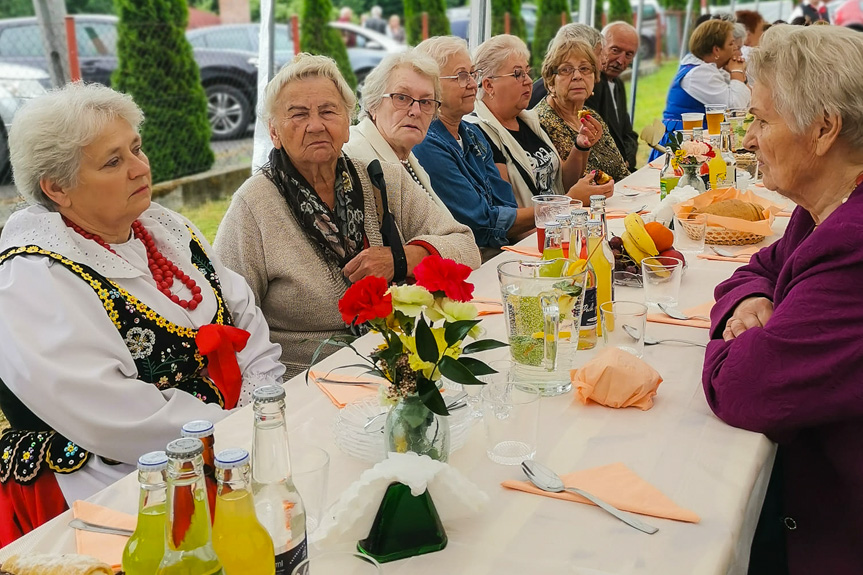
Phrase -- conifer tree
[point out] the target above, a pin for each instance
(318, 37)
(548, 22)
(413, 24)
(156, 67)
(620, 10)
(516, 23)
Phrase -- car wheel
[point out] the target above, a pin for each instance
(228, 111)
(5, 163)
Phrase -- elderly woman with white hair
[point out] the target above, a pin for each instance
(119, 324)
(524, 153)
(401, 97)
(785, 356)
(315, 220)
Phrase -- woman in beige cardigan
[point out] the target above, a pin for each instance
(524, 153)
(313, 222)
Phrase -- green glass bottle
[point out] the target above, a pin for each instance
(188, 545)
(146, 546)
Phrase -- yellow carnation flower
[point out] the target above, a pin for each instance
(410, 300)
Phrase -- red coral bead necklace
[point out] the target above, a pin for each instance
(164, 270)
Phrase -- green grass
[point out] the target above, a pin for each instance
(207, 216)
(652, 91)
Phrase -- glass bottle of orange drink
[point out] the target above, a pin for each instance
(146, 546)
(203, 430)
(188, 545)
(602, 260)
(243, 545)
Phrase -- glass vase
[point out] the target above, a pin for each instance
(692, 177)
(411, 426)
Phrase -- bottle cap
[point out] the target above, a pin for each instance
(199, 428)
(185, 448)
(551, 226)
(153, 461)
(594, 224)
(723, 125)
(268, 393)
(231, 458)
(563, 219)
(597, 198)
(578, 213)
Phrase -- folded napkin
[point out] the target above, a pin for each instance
(487, 306)
(616, 484)
(523, 250)
(703, 309)
(620, 214)
(343, 394)
(658, 163)
(784, 214)
(107, 548)
(741, 256)
(643, 189)
(351, 517)
(616, 378)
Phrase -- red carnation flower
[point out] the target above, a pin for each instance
(437, 274)
(366, 300)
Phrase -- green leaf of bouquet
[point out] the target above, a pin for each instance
(457, 330)
(483, 345)
(426, 344)
(452, 369)
(476, 366)
(430, 395)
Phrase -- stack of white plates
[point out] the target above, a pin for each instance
(369, 445)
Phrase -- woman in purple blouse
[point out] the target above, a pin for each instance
(786, 358)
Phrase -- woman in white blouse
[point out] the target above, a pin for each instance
(401, 97)
(118, 322)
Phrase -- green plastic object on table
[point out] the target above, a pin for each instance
(405, 525)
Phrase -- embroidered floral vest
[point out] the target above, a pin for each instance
(165, 355)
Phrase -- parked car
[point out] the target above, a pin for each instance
(17, 84)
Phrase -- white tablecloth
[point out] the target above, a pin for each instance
(679, 446)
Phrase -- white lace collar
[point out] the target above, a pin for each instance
(36, 225)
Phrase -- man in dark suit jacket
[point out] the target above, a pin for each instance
(609, 95)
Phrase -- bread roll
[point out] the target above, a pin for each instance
(50, 564)
(601, 177)
(734, 209)
(582, 114)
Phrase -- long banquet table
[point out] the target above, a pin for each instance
(678, 446)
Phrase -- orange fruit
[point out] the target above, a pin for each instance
(661, 236)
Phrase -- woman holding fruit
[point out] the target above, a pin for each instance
(524, 153)
(785, 357)
(569, 71)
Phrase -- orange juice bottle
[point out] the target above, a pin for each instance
(240, 541)
(602, 260)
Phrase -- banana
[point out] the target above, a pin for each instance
(632, 248)
(635, 226)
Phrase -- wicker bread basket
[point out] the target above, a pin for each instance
(718, 235)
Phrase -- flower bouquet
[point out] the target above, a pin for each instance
(690, 152)
(424, 328)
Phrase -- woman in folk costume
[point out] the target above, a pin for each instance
(118, 322)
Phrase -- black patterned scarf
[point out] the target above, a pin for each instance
(339, 234)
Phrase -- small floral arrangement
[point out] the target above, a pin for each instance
(424, 327)
(689, 152)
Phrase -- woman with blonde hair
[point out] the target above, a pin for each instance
(524, 153)
(570, 71)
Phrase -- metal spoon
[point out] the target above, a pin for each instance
(723, 252)
(677, 314)
(548, 480)
(633, 333)
(457, 402)
(96, 528)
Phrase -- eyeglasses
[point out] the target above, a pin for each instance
(518, 74)
(464, 78)
(405, 102)
(566, 71)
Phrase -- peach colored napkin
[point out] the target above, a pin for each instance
(658, 163)
(741, 256)
(343, 394)
(107, 548)
(620, 214)
(616, 378)
(616, 484)
(703, 309)
(523, 250)
(643, 189)
(784, 214)
(487, 306)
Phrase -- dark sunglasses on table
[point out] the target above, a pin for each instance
(403, 102)
(518, 74)
(567, 71)
(464, 77)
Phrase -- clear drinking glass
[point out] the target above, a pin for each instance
(689, 233)
(661, 277)
(623, 325)
(692, 120)
(342, 563)
(715, 116)
(311, 474)
(545, 209)
(510, 415)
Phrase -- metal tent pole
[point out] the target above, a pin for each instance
(633, 88)
(262, 142)
(684, 42)
(479, 28)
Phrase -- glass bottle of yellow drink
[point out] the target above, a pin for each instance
(277, 502)
(728, 156)
(146, 546)
(669, 175)
(188, 545)
(587, 329)
(716, 164)
(602, 260)
(243, 545)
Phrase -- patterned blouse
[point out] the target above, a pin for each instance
(604, 155)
